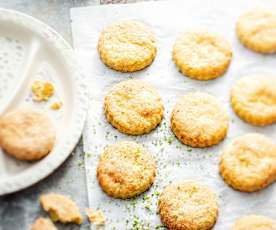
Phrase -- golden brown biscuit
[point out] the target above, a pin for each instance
(199, 120)
(248, 163)
(253, 98)
(126, 169)
(133, 107)
(26, 134)
(201, 55)
(95, 217)
(43, 224)
(61, 208)
(188, 206)
(254, 222)
(256, 30)
(127, 46)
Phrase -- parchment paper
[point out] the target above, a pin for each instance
(175, 160)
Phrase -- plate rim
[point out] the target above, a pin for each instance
(62, 151)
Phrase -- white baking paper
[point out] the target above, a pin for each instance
(175, 160)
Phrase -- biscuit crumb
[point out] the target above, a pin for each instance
(56, 105)
(61, 208)
(42, 90)
(43, 224)
(95, 217)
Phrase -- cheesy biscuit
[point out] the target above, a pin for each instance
(126, 169)
(253, 99)
(133, 107)
(248, 163)
(127, 46)
(256, 30)
(188, 206)
(201, 55)
(199, 120)
(254, 222)
(26, 134)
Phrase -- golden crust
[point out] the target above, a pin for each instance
(43, 224)
(253, 98)
(127, 46)
(133, 107)
(26, 134)
(126, 169)
(256, 30)
(199, 120)
(201, 55)
(248, 163)
(188, 206)
(254, 222)
(61, 208)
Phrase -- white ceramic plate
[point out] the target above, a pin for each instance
(31, 50)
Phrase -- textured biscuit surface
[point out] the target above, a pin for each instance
(253, 98)
(201, 55)
(256, 30)
(133, 107)
(188, 206)
(126, 169)
(254, 222)
(199, 120)
(43, 224)
(127, 46)
(61, 208)
(26, 134)
(248, 163)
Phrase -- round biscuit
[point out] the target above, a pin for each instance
(254, 222)
(253, 99)
(198, 120)
(248, 163)
(127, 46)
(201, 55)
(26, 134)
(188, 206)
(133, 107)
(126, 169)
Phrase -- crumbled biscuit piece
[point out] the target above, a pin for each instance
(43, 224)
(42, 90)
(95, 217)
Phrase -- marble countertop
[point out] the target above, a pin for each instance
(19, 210)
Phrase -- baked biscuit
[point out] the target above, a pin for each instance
(43, 224)
(199, 120)
(26, 134)
(188, 206)
(254, 222)
(248, 163)
(133, 107)
(253, 98)
(127, 46)
(201, 55)
(256, 30)
(126, 169)
(61, 208)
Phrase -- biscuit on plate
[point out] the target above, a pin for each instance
(43, 224)
(248, 163)
(61, 208)
(188, 205)
(253, 99)
(256, 30)
(26, 134)
(126, 169)
(133, 107)
(199, 120)
(254, 222)
(127, 46)
(201, 55)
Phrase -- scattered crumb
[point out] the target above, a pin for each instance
(56, 105)
(95, 217)
(42, 90)
(61, 208)
(43, 224)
